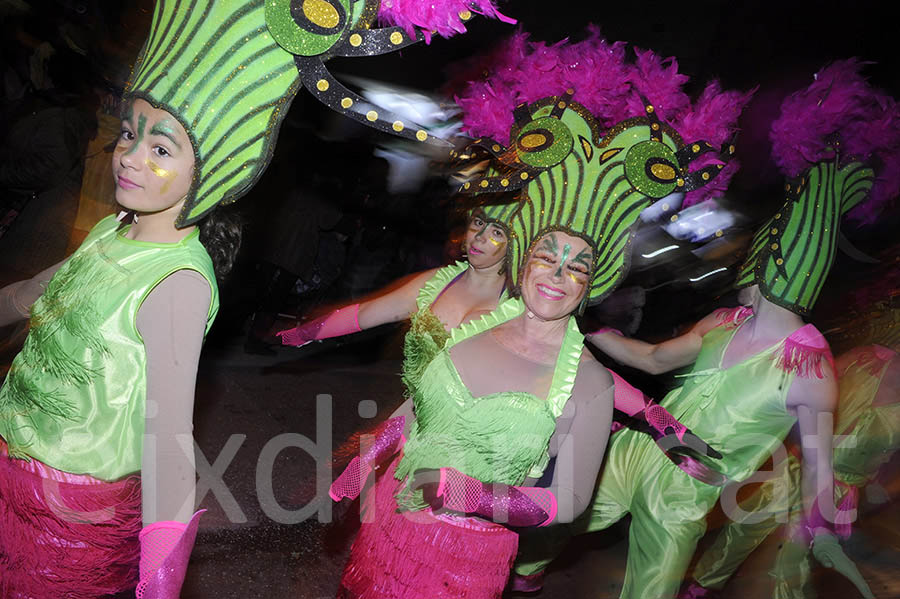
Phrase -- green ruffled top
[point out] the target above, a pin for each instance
(427, 334)
(500, 437)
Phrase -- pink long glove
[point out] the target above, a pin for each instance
(388, 441)
(342, 321)
(449, 489)
(668, 433)
(165, 552)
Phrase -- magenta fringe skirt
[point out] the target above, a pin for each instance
(63, 535)
(416, 555)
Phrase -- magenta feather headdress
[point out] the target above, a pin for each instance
(607, 83)
(841, 106)
(444, 17)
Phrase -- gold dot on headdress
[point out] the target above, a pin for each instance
(467, 185)
(774, 231)
(719, 233)
(705, 176)
(674, 218)
(774, 246)
(484, 183)
(322, 85)
(504, 182)
(421, 135)
(695, 148)
(465, 15)
(679, 182)
(777, 216)
(649, 109)
(655, 126)
(779, 261)
(787, 187)
(396, 38)
(731, 149)
(523, 176)
(495, 147)
(562, 104)
(346, 103)
(397, 126)
(355, 40)
(665, 207)
(372, 115)
(570, 91)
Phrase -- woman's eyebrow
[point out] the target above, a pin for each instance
(583, 257)
(165, 130)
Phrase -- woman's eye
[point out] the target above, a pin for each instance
(161, 151)
(478, 222)
(547, 259)
(579, 269)
(126, 135)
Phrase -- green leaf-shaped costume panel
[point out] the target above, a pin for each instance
(215, 66)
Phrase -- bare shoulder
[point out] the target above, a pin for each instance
(592, 378)
(816, 393)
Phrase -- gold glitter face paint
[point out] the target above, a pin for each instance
(161, 173)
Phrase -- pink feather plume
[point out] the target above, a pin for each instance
(606, 82)
(435, 16)
(840, 104)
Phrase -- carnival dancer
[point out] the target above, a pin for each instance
(756, 370)
(438, 520)
(868, 418)
(96, 493)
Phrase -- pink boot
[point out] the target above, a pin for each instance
(165, 552)
(530, 583)
(693, 590)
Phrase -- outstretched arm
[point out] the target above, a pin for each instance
(16, 299)
(654, 358)
(393, 304)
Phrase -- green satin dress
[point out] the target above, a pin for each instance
(871, 436)
(75, 395)
(740, 410)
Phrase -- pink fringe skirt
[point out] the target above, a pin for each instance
(64, 535)
(416, 555)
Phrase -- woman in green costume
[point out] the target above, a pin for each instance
(754, 372)
(514, 388)
(96, 493)
(868, 418)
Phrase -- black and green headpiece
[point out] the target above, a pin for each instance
(792, 253)
(573, 179)
(229, 69)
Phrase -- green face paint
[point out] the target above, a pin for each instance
(142, 122)
(165, 130)
(562, 263)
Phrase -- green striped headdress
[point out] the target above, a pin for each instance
(792, 253)
(229, 69)
(593, 187)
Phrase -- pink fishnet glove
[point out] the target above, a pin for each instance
(668, 433)
(165, 552)
(342, 321)
(388, 441)
(505, 504)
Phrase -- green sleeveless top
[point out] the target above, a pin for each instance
(75, 395)
(741, 410)
(875, 432)
(500, 437)
(426, 335)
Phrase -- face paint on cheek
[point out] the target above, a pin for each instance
(576, 280)
(162, 173)
(566, 249)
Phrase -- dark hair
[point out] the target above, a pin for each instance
(220, 234)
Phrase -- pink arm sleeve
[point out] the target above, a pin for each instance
(16, 299)
(172, 322)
